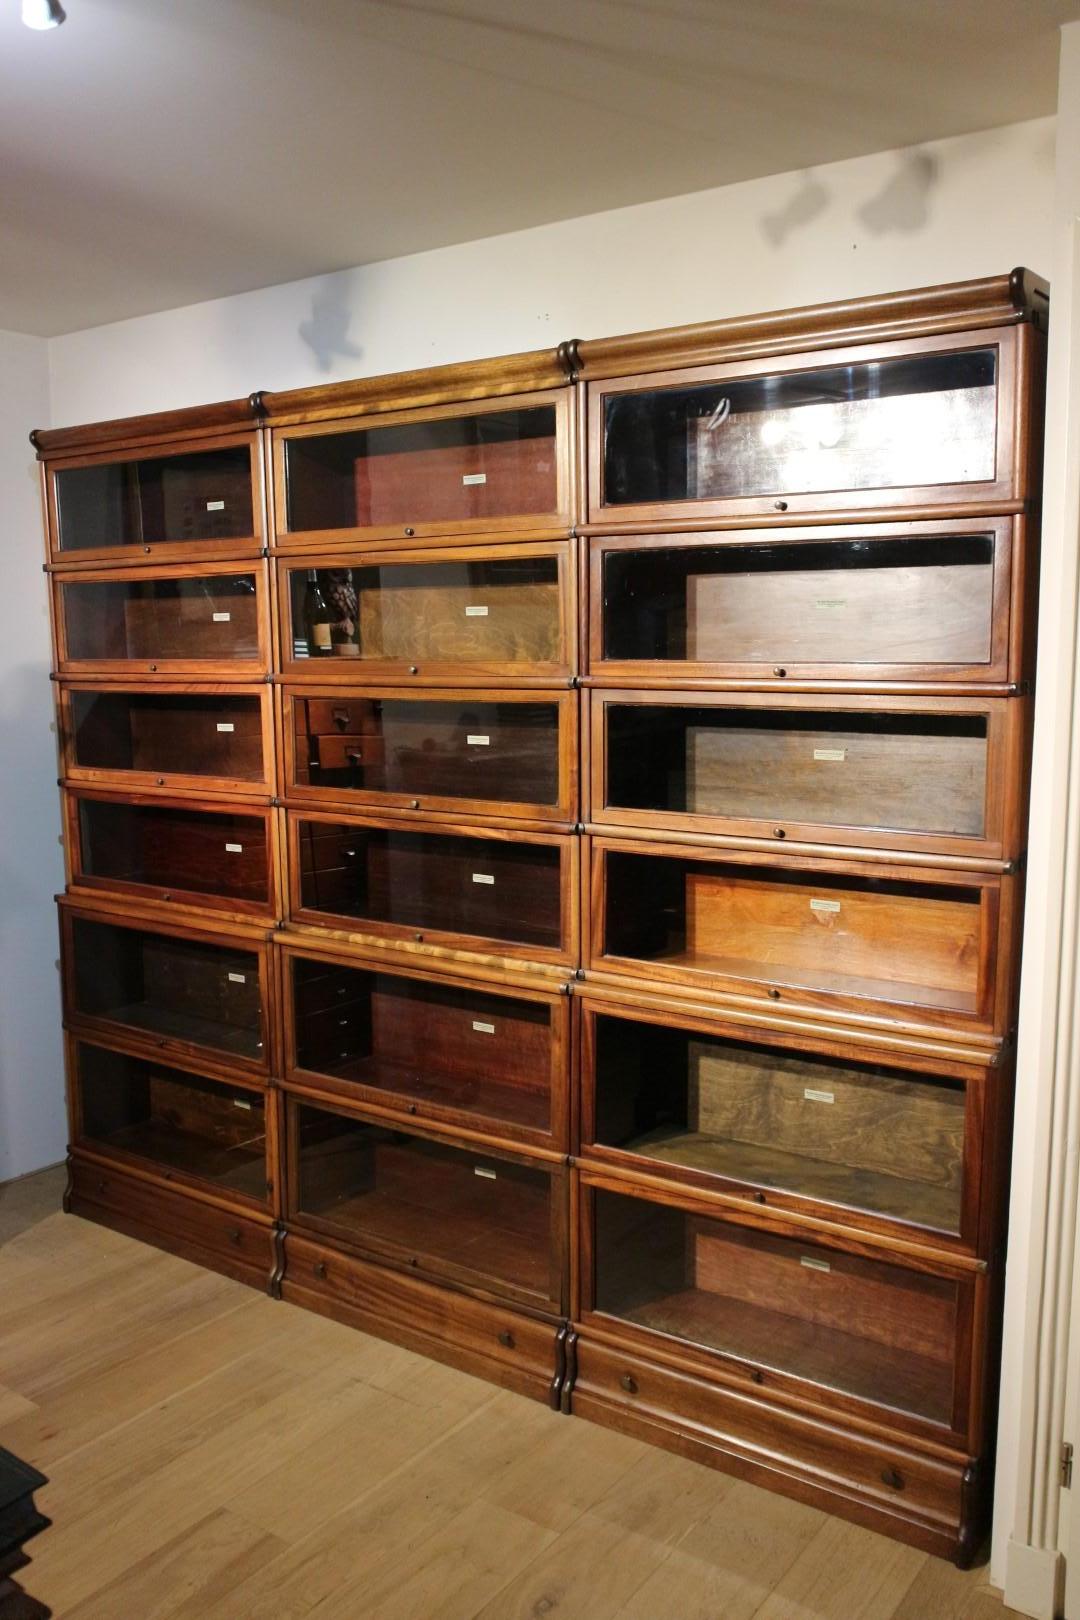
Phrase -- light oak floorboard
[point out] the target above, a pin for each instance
(216, 1455)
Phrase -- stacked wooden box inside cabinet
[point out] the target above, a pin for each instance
(728, 1170)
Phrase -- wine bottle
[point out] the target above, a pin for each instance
(317, 617)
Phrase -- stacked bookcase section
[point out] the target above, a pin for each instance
(811, 563)
(427, 619)
(544, 883)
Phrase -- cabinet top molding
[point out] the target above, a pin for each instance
(956, 306)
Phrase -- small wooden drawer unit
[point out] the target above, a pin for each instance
(239, 1244)
(484, 614)
(220, 859)
(905, 423)
(456, 469)
(472, 888)
(453, 1051)
(209, 621)
(824, 1129)
(209, 739)
(506, 1347)
(879, 1481)
(495, 754)
(190, 993)
(867, 1332)
(476, 1216)
(200, 499)
(862, 604)
(184, 1126)
(921, 774)
(912, 945)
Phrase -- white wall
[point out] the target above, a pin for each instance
(32, 1127)
(970, 206)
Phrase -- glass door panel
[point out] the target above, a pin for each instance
(163, 622)
(182, 734)
(196, 495)
(168, 847)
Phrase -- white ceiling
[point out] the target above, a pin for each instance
(158, 152)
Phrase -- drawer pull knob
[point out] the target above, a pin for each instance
(152, 668)
(355, 756)
(410, 531)
(235, 1235)
(159, 781)
(413, 670)
(414, 804)
(506, 1339)
(779, 670)
(147, 551)
(756, 1375)
(413, 1261)
(781, 506)
(629, 1384)
(418, 938)
(340, 717)
(759, 1197)
(320, 1269)
(893, 1478)
(774, 995)
(412, 1108)
(778, 832)
(102, 1186)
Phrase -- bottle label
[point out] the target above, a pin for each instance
(320, 635)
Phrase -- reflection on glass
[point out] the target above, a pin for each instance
(178, 988)
(200, 495)
(449, 1208)
(910, 772)
(908, 601)
(213, 618)
(924, 419)
(180, 1121)
(436, 1044)
(459, 748)
(193, 735)
(861, 1327)
(455, 469)
(488, 888)
(854, 1134)
(503, 611)
(198, 851)
(897, 940)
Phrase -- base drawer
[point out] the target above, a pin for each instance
(503, 1346)
(927, 1500)
(216, 1238)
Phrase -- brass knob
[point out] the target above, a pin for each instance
(320, 1268)
(235, 1235)
(506, 1339)
(413, 669)
(778, 669)
(410, 531)
(774, 995)
(414, 804)
(781, 506)
(152, 668)
(166, 895)
(629, 1384)
(418, 938)
(147, 550)
(893, 1478)
(778, 832)
(160, 781)
(756, 1375)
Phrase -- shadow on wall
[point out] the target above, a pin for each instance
(32, 1131)
(901, 204)
(326, 331)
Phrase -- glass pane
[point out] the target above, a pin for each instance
(196, 850)
(181, 1121)
(182, 734)
(213, 618)
(906, 942)
(457, 469)
(442, 1206)
(861, 1327)
(178, 988)
(462, 1049)
(201, 495)
(855, 1134)
(923, 419)
(505, 611)
(490, 888)
(912, 772)
(924, 601)
(457, 749)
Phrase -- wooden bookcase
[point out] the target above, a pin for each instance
(545, 868)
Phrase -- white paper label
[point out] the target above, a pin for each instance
(238, 978)
(234, 849)
(238, 1103)
(222, 618)
(215, 506)
(225, 725)
(818, 1096)
(814, 1264)
(829, 906)
(830, 602)
(483, 877)
(478, 742)
(474, 478)
(837, 754)
(476, 612)
(484, 1029)
(482, 1170)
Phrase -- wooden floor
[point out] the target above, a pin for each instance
(215, 1454)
